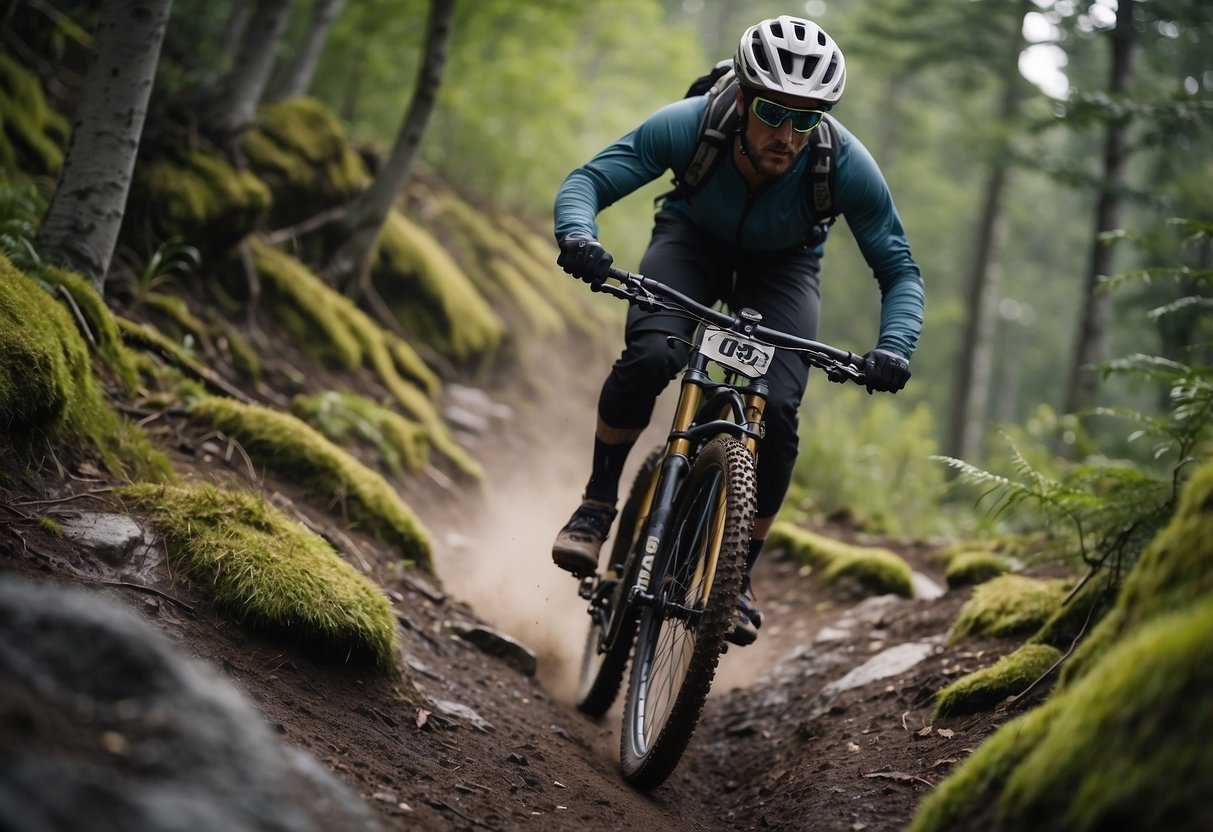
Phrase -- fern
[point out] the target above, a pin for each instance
(1112, 509)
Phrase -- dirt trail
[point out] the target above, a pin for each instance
(480, 745)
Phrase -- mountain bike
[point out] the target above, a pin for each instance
(670, 587)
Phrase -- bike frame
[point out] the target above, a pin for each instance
(706, 408)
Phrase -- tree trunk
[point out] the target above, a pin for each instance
(969, 406)
(234, 107)
(299, 77)
(81, 225)
(1091, 345)
(233, 31)
(350, 267)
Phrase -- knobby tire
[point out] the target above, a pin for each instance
(675, 658)
(602, 673)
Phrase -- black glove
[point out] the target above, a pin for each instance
(885, 371)
(585, 258)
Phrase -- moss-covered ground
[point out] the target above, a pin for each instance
(863, 570)
(48, 387)
(269, 572)
(1008, 605)
(293, 449)
(1126, 741)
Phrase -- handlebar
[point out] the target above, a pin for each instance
(839, 365)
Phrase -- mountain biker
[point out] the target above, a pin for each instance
(741, 237)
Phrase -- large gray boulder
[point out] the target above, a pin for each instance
(105, 726)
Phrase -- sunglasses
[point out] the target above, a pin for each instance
(770, 113)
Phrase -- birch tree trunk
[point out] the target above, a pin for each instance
(80, 228)
(969, 406)
(1091, 345)
(299, 77)
(350, 267)
(234, 106)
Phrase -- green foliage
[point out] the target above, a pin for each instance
(1006, 606)
(1110, 509)
(1008, 676)
(867, 458)
(169, 260)
(862, 570)
(270, 573)
(295, 451)
(22, 204)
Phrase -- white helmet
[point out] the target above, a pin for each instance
(794, 56)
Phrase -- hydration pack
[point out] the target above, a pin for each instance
(720, 123)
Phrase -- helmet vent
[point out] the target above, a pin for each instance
(785, 61)
(831, 70)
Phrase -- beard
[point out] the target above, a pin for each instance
(774, 158)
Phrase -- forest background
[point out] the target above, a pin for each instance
(1051, 162)
(1034, 149)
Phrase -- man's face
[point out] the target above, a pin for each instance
(772, 150)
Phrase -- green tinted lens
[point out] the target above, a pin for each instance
(776, 114)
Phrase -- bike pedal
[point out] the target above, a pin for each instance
(586, 588)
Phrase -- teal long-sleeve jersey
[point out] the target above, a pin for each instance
(773, 218)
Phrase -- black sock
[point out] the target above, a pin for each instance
(608, 467)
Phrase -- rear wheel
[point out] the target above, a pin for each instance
(602, 672)
(681, 637)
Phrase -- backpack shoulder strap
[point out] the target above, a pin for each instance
(716, 128)
(819, 184)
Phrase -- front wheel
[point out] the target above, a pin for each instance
(602, 671)
(682, 635)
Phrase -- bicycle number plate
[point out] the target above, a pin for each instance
(737, 352)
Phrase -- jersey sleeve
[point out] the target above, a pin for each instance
(662, 142)
(864, 199)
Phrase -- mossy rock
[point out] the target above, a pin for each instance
(1006, 606)
(1175, 570)
(1080, 613)
(969, 568)
(269, 572)
(101, 323)
(301, 152)
(197, 198)
(501, 270)
(300, 454)
(1008, 676)
(346, 417)
(303, 304)
(32, 135)
(432, 296)
(1126, 746)
(48, 387)
(330, 326)
(863, 570)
